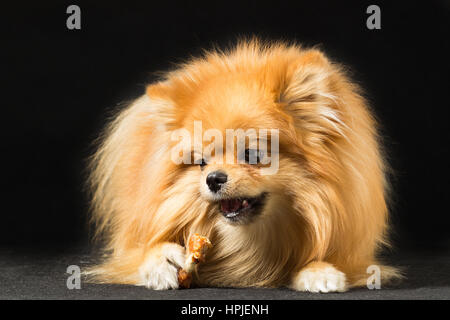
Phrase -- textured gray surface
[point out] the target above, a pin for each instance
(43, 276)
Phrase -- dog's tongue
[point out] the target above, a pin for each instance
(231, 205)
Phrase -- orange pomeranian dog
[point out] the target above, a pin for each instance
(314, 222)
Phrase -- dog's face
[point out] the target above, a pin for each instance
(234, 182)
(247, 182)
(284, 94)
(235, 190)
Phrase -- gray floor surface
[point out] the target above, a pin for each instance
(34, 275)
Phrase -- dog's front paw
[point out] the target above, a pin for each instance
(319, 277)
(160, 269)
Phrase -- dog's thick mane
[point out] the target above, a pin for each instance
(336, 212)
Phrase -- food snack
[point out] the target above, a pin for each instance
(196, 253)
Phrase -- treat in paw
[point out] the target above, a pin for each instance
(197, 248)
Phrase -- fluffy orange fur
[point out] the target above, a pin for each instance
(326, 204)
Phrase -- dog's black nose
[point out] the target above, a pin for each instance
(215, 180)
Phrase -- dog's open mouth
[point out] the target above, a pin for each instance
(238, 209)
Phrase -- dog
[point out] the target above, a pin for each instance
(315, 223)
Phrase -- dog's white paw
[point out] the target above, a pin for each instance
(160, 269)
(320, 277)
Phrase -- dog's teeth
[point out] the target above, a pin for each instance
(244, 204)
(231, 214)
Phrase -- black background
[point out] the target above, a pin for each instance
(60, 85)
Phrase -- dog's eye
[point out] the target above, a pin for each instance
(252, 156)
(203, 163)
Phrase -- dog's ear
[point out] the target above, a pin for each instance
(163, 107)
(306, 79)
(309, 93)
